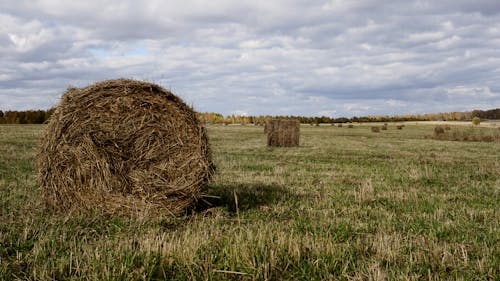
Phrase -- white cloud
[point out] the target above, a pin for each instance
(448, 42)
(471, 92)
(426, 36)
(259, 57)
(396, 103)
(328, 113)
(239, 113)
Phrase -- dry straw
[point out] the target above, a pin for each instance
(283, 132)
(438, 130)
(123, 146)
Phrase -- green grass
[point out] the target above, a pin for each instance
(348, 204)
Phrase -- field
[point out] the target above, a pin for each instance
(348, 204)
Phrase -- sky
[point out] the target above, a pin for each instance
(260, 57)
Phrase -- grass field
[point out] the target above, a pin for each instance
(348, 204)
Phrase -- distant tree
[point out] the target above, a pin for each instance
(10, 117)
(476, 121)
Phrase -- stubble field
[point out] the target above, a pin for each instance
(348, 204)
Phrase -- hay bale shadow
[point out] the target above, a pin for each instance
(249, 196)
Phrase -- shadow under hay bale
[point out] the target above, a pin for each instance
(283, 132)
(123, 146)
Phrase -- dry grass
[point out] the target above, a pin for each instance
(345, 205)
(123, 146)
(472, 134)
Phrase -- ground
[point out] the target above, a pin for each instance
(347, 204)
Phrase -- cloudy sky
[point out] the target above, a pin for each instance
(300, 57)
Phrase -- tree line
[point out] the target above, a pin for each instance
(217, 118)
(42, 116)
(25, 117)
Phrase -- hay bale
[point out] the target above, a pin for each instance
(438, 130)
(400, 127)
(375, 129)
(350, 126)
(283, 132)
(123, 146)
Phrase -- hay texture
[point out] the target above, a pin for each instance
(283, 132)
(123, 146)
(438, 130)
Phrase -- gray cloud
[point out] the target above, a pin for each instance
(260, 57)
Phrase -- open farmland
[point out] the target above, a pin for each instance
(347, 204)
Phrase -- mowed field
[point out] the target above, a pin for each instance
(348, 204)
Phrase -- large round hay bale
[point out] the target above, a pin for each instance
(123, 146)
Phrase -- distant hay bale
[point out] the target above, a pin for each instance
(384, 127)
(400, 127)
(283, 132)
(438, 130)
(350, 126)
(375, 129)
(339, 125)
(123, 146)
